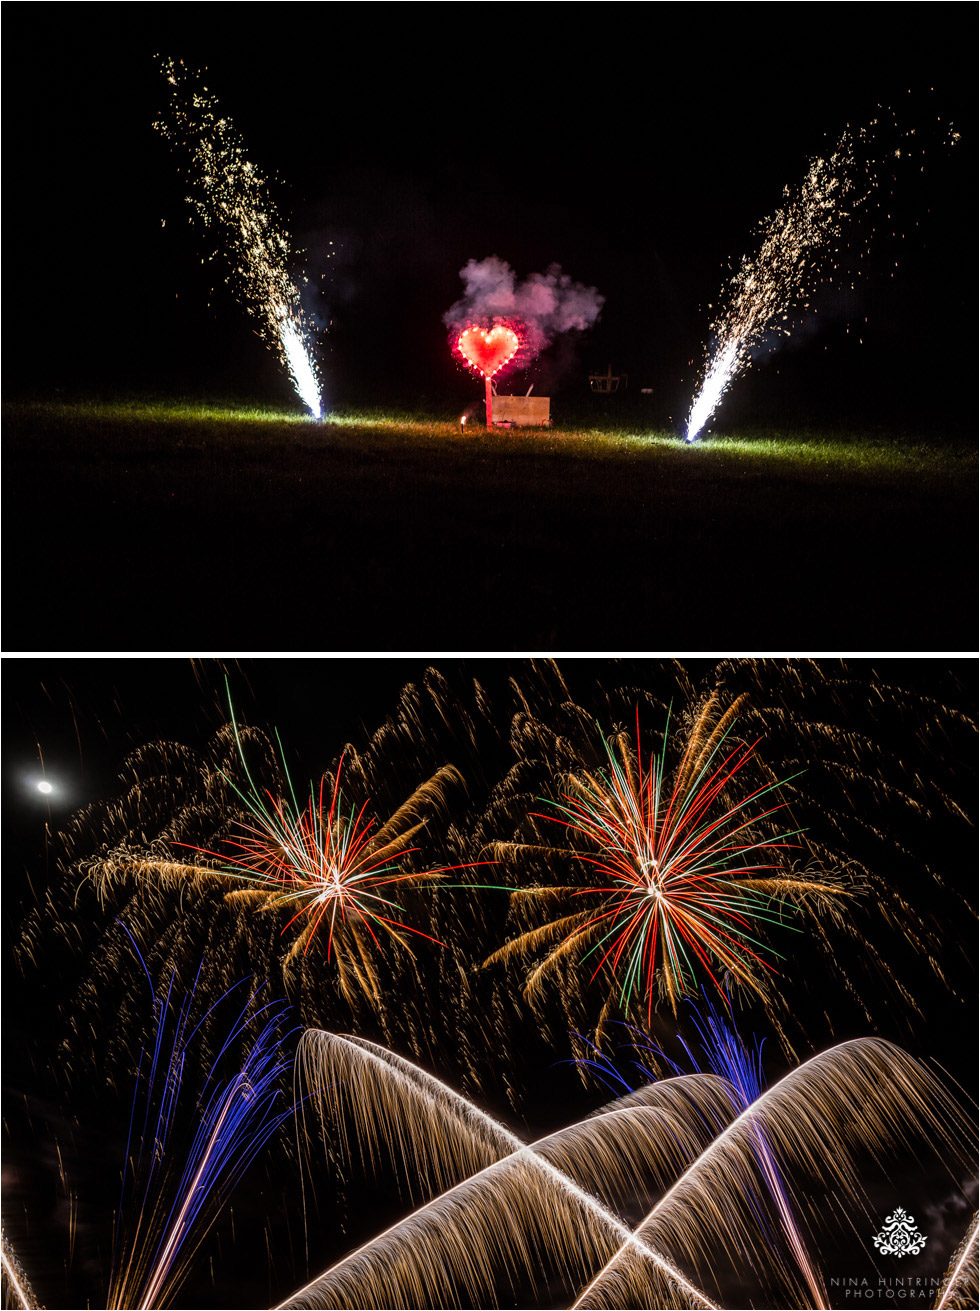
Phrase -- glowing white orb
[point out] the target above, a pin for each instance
(45, 787)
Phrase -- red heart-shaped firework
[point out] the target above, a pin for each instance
(488, 350)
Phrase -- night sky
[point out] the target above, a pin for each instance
(77, 720)
(636, 148)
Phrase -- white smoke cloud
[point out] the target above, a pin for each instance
(546, 304)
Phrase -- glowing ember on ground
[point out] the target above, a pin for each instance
(229, 194)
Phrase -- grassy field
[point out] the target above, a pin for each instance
(144, 526)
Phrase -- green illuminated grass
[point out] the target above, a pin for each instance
(580, 537)
(177, 426)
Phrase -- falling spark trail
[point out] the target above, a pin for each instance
(862, 1093)
(15, 1277)
(231, 195)
(911, 1083)
(766, 285)
(514, 1151)
(730, 1058)
(969, 1251)
(527, 1153)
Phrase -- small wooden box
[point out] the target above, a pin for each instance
(522, 410)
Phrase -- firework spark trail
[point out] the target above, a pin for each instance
(865, 1091)
(726, 1054)
(729, 1057)
(15, 1281)
(960, 1285)
(721, 371)
(395, 1104)
(230, 196)
(237, 1120)
(299, 361)
(481, 1210)
(765, 286)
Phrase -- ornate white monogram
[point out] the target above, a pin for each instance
(899, 1237)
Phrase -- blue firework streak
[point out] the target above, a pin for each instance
(236, 1117)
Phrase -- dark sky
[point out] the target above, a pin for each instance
(636, 146)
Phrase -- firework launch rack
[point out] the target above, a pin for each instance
(521, 411)
(608, 382)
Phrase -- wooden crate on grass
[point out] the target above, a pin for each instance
(522, 410)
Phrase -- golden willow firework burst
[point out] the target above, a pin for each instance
(873, 779)
(516, 1216)
(526, 1208)
(334, 871)
(230, 196)
(328, 868)
(679, 884)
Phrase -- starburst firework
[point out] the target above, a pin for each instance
(333, 867)
(682, 882)
(328, 865)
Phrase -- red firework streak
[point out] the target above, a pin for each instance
(679, 876)
(487, 351)
(328, 861)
